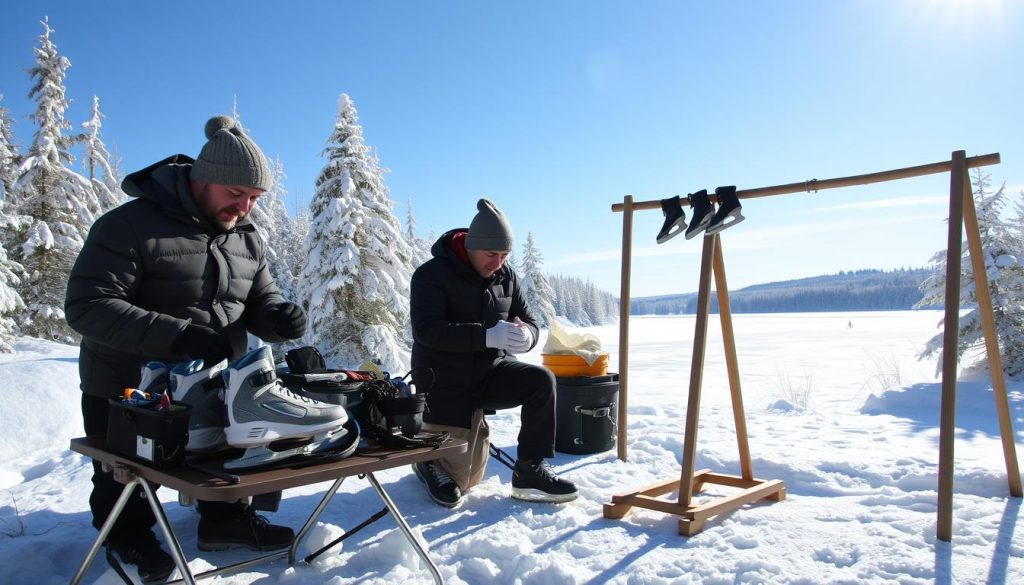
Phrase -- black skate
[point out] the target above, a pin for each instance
(728, 207)
(675, 219)
(534, 481)
(703, 211)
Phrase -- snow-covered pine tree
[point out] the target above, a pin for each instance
(538, 292)
(358, 264)
(9, 158)
(276, 228)
(1000, 251)
(11, 304)
(60, 203)
(418, 247)
(96, 161)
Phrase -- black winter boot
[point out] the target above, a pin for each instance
(153, 562)
(248, 529)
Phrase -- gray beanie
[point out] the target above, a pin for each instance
(230, 157)
(489, 230)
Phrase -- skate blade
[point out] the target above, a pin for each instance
(695, 231)
(736, 217)
(534, 495)
(668, 233)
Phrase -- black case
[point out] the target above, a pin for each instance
(586, 410)
(156, 438)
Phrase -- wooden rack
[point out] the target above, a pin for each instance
(962, 217)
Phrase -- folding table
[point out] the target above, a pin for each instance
(208, 484)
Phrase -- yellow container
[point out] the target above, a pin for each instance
(566, 365)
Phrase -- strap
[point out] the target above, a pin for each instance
(347, 534)
(502, 457)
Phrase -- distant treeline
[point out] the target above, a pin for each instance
(857, 290)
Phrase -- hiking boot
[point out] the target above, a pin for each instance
(535, 482)
(248, 529)
(441, 487)
(153, 562)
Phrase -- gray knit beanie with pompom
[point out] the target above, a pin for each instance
(230, 157)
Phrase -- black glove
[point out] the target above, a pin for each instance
(287, 320)
(201, 342)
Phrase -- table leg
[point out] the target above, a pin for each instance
(161, 519)
(312, 519)
(405, 528)
(122, 501)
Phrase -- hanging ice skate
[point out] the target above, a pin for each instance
(728, 213)
(277, 426)
(675, 219)
(702, 213)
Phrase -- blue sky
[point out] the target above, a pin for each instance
(557, 110)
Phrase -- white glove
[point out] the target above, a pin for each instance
(527, 342)
(504, 335)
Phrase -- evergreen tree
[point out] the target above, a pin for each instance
(358, 265)
(9, 158)
(418, 247)
(60, 203)
(1001, 255)
(276, 228)
(96, 161)
(11, 304)
(538, 292)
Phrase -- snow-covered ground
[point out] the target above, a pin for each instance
(837, 406)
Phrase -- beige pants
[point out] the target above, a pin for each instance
(467, 469)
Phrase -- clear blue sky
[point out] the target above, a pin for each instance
(556, 110)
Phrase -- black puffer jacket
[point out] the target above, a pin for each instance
(452, 307)
(153, 265)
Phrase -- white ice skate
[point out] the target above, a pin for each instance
(275, 424)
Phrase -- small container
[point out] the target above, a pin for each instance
(565, 365)
(148, 435)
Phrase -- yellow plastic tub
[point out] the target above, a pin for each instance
(566, 365)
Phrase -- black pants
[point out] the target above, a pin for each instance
(137, 518)
(513, 384)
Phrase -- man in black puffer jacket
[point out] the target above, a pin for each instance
(177, 273)
(469, 318)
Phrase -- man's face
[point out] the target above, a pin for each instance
(486, 262)
(224, 205)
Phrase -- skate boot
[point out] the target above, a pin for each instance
(534, 481)
(728, 207)
(153, 378)
(702, 213)
(275, 424)
(675, 219)
(440, 486)
(203, 390)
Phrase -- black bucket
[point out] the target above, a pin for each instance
(586, 413)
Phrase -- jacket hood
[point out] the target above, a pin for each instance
(166, 183)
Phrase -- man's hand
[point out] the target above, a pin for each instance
(287, 320)
(505, 335)
(524, 346)
(201, 342)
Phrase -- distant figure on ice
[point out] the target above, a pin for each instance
(469, 318)
(176, 273)
(849, 324)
